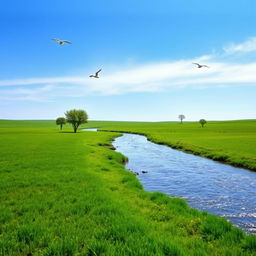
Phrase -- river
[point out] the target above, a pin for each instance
(205, 184)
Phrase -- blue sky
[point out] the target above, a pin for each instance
(145, 50)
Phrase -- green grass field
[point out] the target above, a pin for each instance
(233, 142)
(69, 194)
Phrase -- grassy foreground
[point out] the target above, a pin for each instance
(231, 142)
(69, 194)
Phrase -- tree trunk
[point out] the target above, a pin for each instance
(61, 126)
(75, 127)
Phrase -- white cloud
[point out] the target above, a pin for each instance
(154, 77)
(247, 46)
(40, 80)
(40, 94)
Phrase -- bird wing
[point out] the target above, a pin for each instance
(205, 66)
(97, 72)
(55, 39)
(196, 64)
(68, 42)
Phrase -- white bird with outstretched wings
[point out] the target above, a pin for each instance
(60, 42)
(200, 66)
(96, 74)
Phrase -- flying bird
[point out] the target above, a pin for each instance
(60, 42)
(200, 66)
(96, 74)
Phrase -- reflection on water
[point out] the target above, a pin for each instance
(90, 129)
(205, 184)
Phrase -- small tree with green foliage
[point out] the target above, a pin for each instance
(181, 117)
(202, 122)
(76, 117)
(61, 121)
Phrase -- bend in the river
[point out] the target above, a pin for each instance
(207, 185)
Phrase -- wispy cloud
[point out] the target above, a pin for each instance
(40, 94)
(247, 46)
(154, 77)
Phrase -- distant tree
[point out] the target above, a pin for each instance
(76, 117)
(61, 121)
(202, 122)
(181, 117)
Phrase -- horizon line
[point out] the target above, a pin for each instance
(163, 121)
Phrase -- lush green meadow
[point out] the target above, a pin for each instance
(233, 142)
(68, 194)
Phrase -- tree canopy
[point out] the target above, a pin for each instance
(202, 122)
(76, 117)
(61, 121)
(181, 117)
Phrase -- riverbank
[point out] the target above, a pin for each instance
(69, 194)
(206, 185)
(230, 142)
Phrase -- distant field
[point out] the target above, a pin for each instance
(232, 142)
(68, 194)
